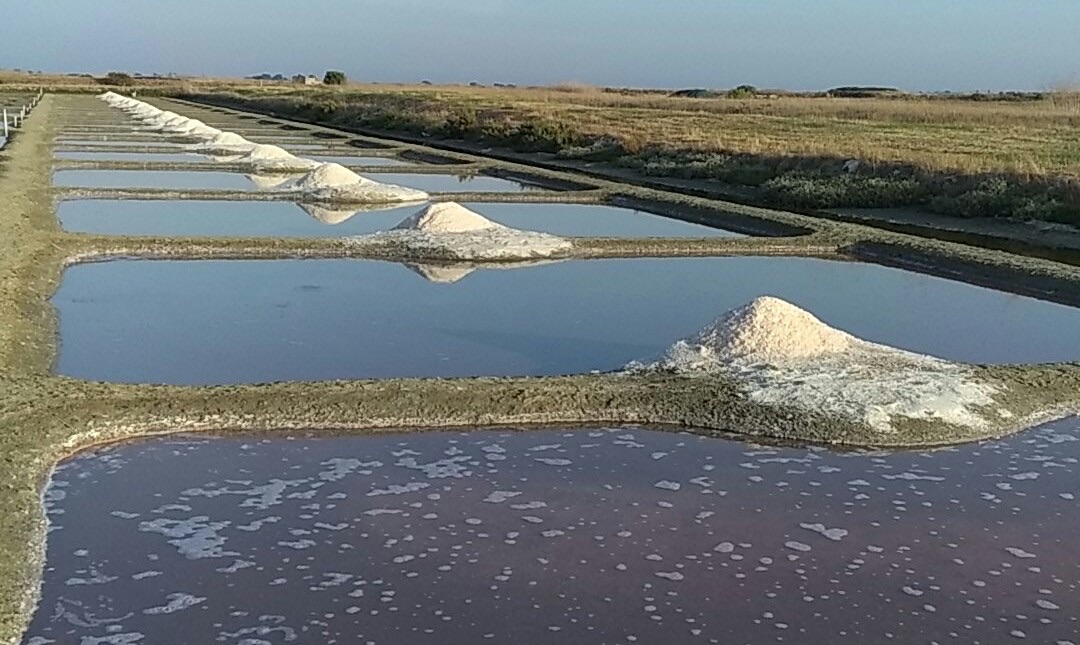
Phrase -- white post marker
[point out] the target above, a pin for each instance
(5, 124)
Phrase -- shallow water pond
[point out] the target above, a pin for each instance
(222, 218)
(172, 179)
(144, 157)
(561, 536)
(214, 180)
(591, 220)
(203, 322)
(230, 218)
(119, 142)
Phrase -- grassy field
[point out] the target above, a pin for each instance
(1015, 156)
(966, 157)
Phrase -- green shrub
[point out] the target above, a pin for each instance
(996, 197)
(742, 92)
(811, 191)
(462, 122)
(335, 78)
(542, 135)
(121, 79)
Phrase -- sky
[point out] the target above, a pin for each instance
(791, 44)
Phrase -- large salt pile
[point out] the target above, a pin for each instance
(768, 329)
(334, 183)
(449, 231)
(192, 128)
(783, 356)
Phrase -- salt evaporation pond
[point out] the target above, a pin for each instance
(245, 219)
(165, 142)
(591, 220)
(207, 322)
(214, 180)
(109, 142)
(143, 157)
(171, 179)
(561, 536)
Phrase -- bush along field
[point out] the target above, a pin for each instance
(1011, 157)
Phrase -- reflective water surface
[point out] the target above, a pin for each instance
(173, 179)
(561, 536)
(199, 322)
(588, 220)
(204, 180)
(231, 218)
(144, 157)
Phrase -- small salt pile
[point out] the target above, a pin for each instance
(330, 175)
(193, 127)
(449, 231)
(448, 217)
(334, 183)
(225, 142)
(163, 118)
(273, 158)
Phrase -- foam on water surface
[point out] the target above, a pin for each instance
(581, 535)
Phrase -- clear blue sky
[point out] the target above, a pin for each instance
(796, 44)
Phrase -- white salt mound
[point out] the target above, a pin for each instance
(330, 175)
(224, 142)
(229, 139)
(177, 123)
(336, 184)
(164, 117)
(782, 355)
(451, 232)
(448, 217)
(770, 329)
(264, 152)
(186, 125)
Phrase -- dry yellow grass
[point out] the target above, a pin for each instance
(1026, 138)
